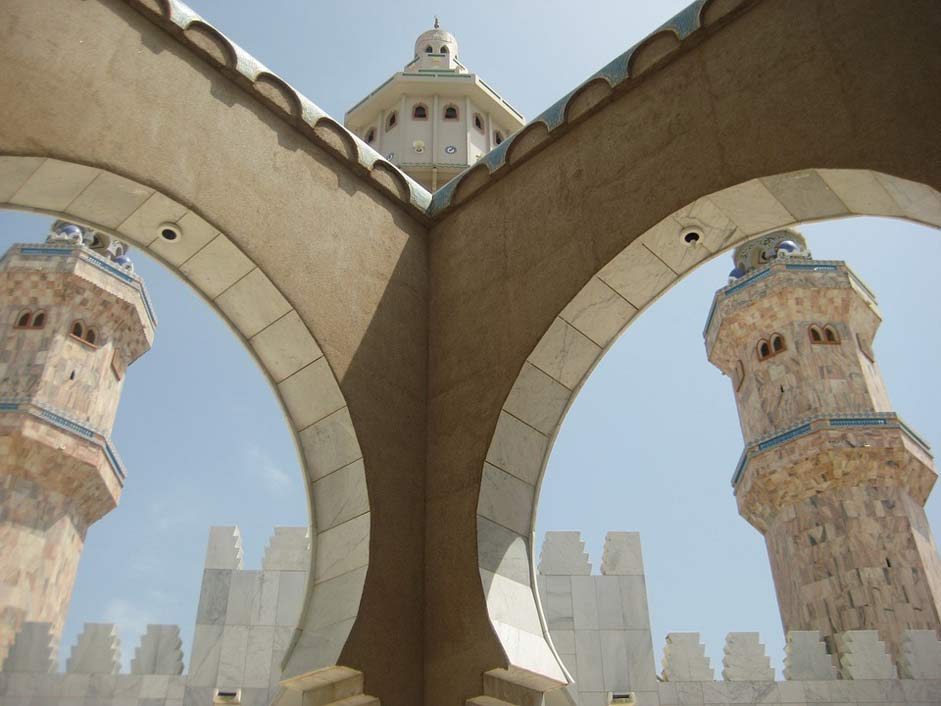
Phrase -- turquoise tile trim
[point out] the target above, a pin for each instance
(859, 422)
(917, 439)
(786, 436)
(67, 424)
(8, 406)
(115, 463)
(812, 267)
(45, 251)
(740, 468)
(751, 280)
(712, 312)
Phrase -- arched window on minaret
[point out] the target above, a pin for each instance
(444, 48)
(39, 319)
(479, 122)
(450, 112)
(816, 336)
(764, 350)
(420, 112)
(24, 319)
(429, 50)
(91, 336)
(78, 329)
(777, 344)
(392, 120)
(830, 334)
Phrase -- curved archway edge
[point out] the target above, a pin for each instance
(586, 328)
(272, 330)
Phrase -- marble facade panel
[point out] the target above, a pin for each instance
(54, 185)
(637, 275)
(517, 448)
(195, 233)
(285, 347)
(537, 399)
(109, 200)
(311, 394)
(598, 312)
(505, 499)
(752, 207)
(565, 353)
(252, 303)
(330, 444)
(216, 267)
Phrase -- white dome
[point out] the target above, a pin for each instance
(436, 38)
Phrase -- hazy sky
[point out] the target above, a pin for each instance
(650, 443)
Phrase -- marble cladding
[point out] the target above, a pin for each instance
(244, 624)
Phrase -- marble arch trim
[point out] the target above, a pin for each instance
(586, 328)
(281, 343)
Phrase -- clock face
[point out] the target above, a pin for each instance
(450, 149)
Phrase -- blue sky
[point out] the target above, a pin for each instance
(649, 444)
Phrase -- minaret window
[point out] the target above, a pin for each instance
(816, 336)
(777, 343)
(78, 329)
(479, 122)
(91, 336)
(444, 49)
(764, 350)
(830, 334)
(370, 136)
(498, 137)
(420, 112)
(429, 50)
(39, 319)
(24, 319)
(450, 112)
(391, 120)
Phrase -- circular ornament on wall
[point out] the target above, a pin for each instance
(450, 149)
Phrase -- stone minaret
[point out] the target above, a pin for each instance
(834, 480)
(72, 317)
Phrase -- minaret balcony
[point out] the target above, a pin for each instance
(830, 451)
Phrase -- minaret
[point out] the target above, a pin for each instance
(834, 480)
(434, 118)
(73, 315)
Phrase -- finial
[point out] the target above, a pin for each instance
(437, 25)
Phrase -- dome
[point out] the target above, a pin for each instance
(438, 39)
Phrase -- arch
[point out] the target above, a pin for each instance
(391, 120)
(39, 319)
(763, 349)
(583, 331)
(479, 123)
(419, 111)
(830, 335)
(274, 333)
(816, 335)
(24, 319)
(429, 49)
(451, 112)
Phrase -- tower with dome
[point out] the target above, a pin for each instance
(434, 118)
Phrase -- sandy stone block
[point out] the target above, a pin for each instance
(342, 548)
(54, 185)
(14, 171)
(563, 554)
(195, 232)
(252, 303)
(861, 191)
(917, 201)
(143, 225)
(565, 354)
(517, 448)
(752, 207)
(537, 399)
(806, 657)
(330, 444)
(667, 241)
(340, 496)
(311, 394)
(863, 656)
(109, 200)
(502, 550)
(745, 660)
(336, 599)
(921, 655)
(285, 346)
(805, 195)
(505, 499)
(622, 555)
(224, 549)
(598, 312)
(637, 275)
(510, 602)
(216, 267)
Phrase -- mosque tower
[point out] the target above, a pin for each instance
(433, 119)
(73, 315)
(834, 480)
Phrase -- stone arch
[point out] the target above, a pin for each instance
(273, 331)
(584, 330)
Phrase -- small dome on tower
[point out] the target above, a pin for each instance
(436, 41)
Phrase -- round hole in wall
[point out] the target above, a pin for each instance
(170, 232)
(691, 236)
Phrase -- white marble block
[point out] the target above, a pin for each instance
(921, 655)
(563, 554)
(684, 658)
(622, 555)
(159, 651)
(33, 650)
(745, 658)
(224, 550)
(864, 656)
(97, 650)
(288, 549)
(806, 657)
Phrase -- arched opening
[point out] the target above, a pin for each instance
(573, 345)
(39, 319)
(479, 122)
(815, 334)
(830, 334)
(275, 338)
(420, 112)
(450, 112)
(24, 319)
(391, 120)
(370, 136)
